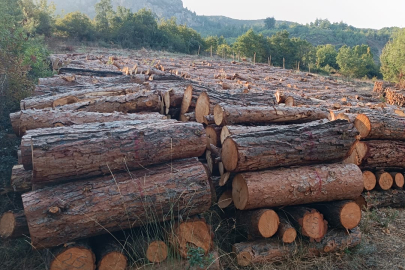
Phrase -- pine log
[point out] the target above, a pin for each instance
(377, 154)
(310, 184)
(58, 81)
(131, 145)
(189, 100)
(291, 99)
(236, 114)
(13, 225)
(308, 221)
(384, 180)
(34, 119)
(208, 100)
(213, 135)
(393, 198)
(90, 72)
(380, 126)
(369, 179)
(398, 179)
(110, 254)
(20, 179)
(225, 200)
(340, 214)
(278, 146)
(131, 103)
(87, 94)
(191, 233)
(116, 203)
(262, 223)
(187, 117)
(271, 250)
(236, 130)
(286, 232)
(71, 256)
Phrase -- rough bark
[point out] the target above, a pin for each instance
(369, 180)
(34, 119)
(291, 99)
(390, 198)
(278, 146)
(213, 135)
(72, 256)
(116, 203)
(90, 72)
(237, 114)
(377, 154)
(81, 151)
(13, 225)
(340, 214)
(236, 130)
(20, 179)
(295, 186)
(380, 126)
(261, 223)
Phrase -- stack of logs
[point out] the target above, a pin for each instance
(391, 93)
(120, 163)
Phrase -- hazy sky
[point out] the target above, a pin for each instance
(359, 13)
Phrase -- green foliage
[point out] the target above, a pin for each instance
(250, 43)
(270, 23)
(197, 257)
(75, 25)
(38, 17)
(281, 46)
(356, 62)
(393, 59)
(224, 50)
(326, 55)
(104, 15)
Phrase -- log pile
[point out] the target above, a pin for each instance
(117, 145)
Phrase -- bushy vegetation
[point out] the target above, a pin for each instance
(393, 59)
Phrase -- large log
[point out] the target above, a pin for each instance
(262, 223)
(74, 255)
(376, 154)
(208, 100)
(34, 119)
(110, 254)
(278, 146)
(13, 225)
(81, 151)
(295, 186)
(115, 203)
(272, 250)
(53, 100)
(390, 198)
(90, 72)
(286, 232)
(237, 114)
(236, 130)
(20, 179)
(380, 126)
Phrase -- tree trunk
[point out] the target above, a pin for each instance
(380, 126)
(291, 99)
(20, 179)
(261, 223)
(116, 203)
(295, 186)
(377, 154)
(13, 225)
(191, 233)
(207, 101)
(384, 180)
(308, 221)
(236, 130)
(272, 250)
(84, 95)
(379, 199)
(340, 214)
(72, 256)
(90, 72)
(34, 119)
(236, 114)
(288, 145)
(286, 232)
(369, 179)
(102, 148)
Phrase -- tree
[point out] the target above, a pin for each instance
(326, 55)
(393, 59)
(281, 47)
(270, 23)
(103, 19)
(224, 50)
(250, 44)
(355, 62)
(75, 25)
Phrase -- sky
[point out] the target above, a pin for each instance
(359, 13)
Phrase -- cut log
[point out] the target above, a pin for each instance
(278, 146)
(225, 200)
(308, 221)
(380, 126)
(188, 100)
(191, 233)
(281, 187)
(20, 179)
(340, 214)
(286, 232)
(75, 255)
(369, 179)
(116, 203)
(378, 154)
(271, 250)
(102, 148)
(110, 254)
(90, 72)
(187, 117)
(157, 251)
(261, 223)
(398, 179)
(213, 135)
(291, 99)
(390, 198)
(13, 225)
(384, 180)
(236, 114)
(34, 119)
(236, 130)
(208, 100)
(89, 93)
